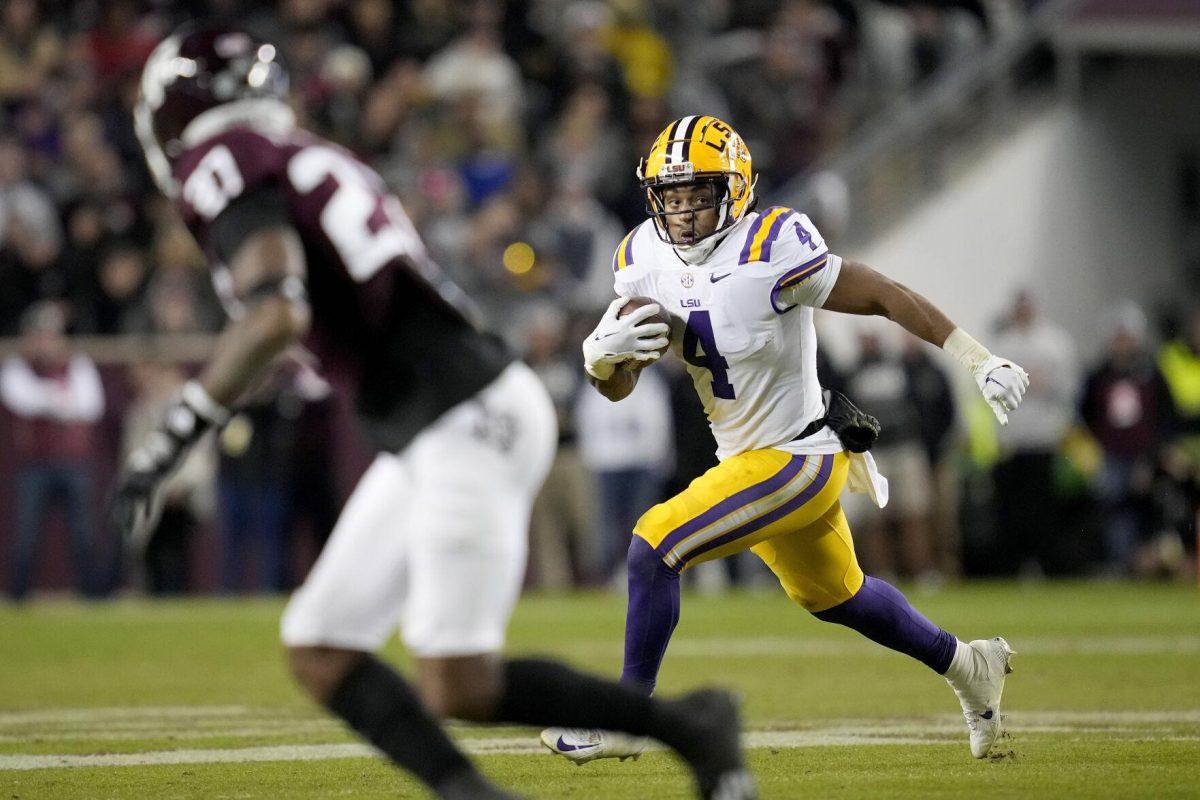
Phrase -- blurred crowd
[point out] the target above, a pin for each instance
(511, 131)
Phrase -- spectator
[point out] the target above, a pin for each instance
(30, 52)
(122, 42)
(1126, 404)
(1179, 361)
(934, 399)
(30, 239)
(256, 449)
(1029, 515)
(788, 90)
(312, 480)
(882, 383)
(373, 28)
(474, 66)
(55, 398)
(627, 448)
(122, 277)
(563, 525)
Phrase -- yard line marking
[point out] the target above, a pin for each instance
(798, 645)
(184, 734)
(938, 730)
(524, 745)
(123, 712)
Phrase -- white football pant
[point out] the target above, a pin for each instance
(434, 539)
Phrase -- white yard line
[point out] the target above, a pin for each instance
(757, 647)
(123, 712)
(850, 732)
(525, 745)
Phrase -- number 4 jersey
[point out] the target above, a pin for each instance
(744, 325)
(383, 313)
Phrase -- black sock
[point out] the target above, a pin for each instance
(385, 711)
(545, 693)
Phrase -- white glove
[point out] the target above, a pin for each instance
(616, 341)
(1001, 381)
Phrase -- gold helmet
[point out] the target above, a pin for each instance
(698, 149)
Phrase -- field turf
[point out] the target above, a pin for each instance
(189, 699)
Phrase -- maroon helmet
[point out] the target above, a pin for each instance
(194, 70)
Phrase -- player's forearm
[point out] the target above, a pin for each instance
(862, 290)
(916, 314)
(250, 344)
(618, 386)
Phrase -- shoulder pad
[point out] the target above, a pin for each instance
(782, 235)
(629, 251)
(221, 169)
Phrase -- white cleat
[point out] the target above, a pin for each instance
(980, 694)
(582, 745)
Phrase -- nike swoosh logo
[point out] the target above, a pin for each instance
(566, 748)
(605, 336)
(715, 278)
(990, 379)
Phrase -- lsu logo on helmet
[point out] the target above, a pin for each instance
(693, 150)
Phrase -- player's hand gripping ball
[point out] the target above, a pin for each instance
(629, 332)
(661, 317)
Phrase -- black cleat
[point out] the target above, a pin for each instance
(714, 747)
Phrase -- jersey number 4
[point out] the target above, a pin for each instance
(700, 350)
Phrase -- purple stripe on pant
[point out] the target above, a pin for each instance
(811, 491)
(730, 504)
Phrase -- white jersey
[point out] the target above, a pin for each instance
(743, 324)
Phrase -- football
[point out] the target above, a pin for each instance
(637, 302)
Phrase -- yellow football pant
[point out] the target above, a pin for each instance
(782, 507)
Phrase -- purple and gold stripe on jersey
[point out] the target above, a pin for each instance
(763, 233)
(624, 256)
(750, 510)
(794, 276)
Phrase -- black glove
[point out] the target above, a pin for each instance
(137, 502)
(856, 429)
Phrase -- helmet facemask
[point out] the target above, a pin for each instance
(707, 195)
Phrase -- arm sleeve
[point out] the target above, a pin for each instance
(264, 207)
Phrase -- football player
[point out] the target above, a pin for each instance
(742, 285)
(305, 243)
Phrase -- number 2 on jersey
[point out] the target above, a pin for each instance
(367, 228)
(700, 350)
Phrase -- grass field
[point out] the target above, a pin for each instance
(189, 699)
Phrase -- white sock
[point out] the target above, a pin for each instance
(962, 665)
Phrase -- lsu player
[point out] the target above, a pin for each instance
(306, 244)
(741, 285)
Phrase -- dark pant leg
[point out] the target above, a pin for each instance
(32, 485)
(234, 532)
(75, 483)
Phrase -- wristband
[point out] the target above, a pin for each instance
(968, 352)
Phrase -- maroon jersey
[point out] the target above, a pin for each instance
(382, 310)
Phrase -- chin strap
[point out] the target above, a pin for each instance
(697, 253)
